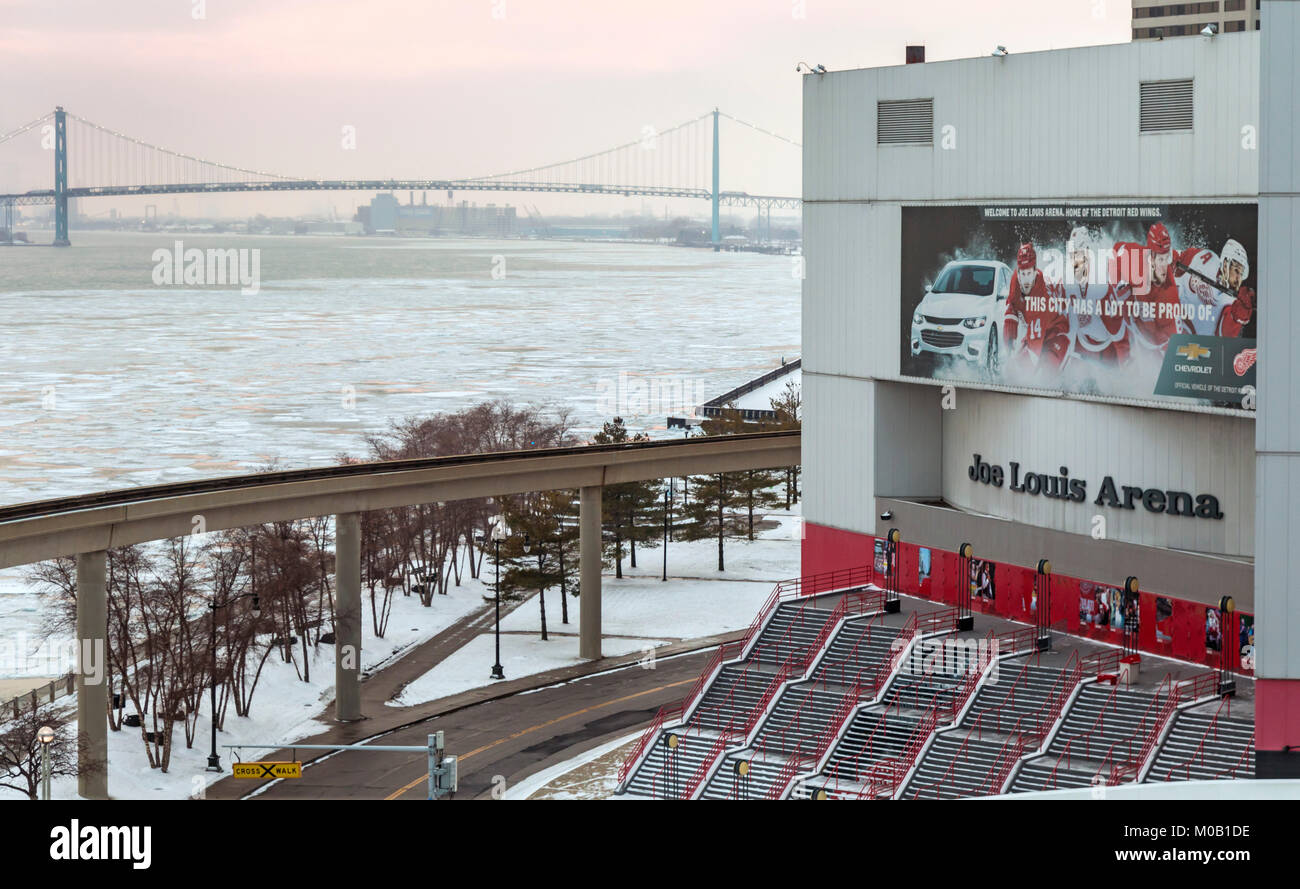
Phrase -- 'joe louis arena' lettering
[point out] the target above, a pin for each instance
(1061, 487)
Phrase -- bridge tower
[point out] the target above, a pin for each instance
(716, 239)
(61, 178)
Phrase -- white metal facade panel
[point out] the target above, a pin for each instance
(850, 321)
(1197, 453)
(839, 451)
(1047, 125)
(1278, 427)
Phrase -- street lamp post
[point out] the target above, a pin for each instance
(498, 535)
(668, 502)
(214, 761)
(564, 603)
(45, 735)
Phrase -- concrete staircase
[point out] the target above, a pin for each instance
(1195, 751)
(790, 632)
(1103, 723)
(953, 767)
(665, 771)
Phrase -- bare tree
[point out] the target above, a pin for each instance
(21, 750)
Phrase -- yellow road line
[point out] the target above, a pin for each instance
(541, 725)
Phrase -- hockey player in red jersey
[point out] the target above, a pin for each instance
(1150, 293)
(1097, 329)
(1213, 290)
(1035, 330)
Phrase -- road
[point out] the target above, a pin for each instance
(511, 737)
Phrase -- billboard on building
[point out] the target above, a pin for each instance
(1114, 300)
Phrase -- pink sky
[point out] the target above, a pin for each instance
(465, 87)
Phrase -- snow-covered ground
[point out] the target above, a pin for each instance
(639, 612)
(590, 775)
(284, 707)
(471, 666)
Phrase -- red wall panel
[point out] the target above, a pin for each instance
(828, 549)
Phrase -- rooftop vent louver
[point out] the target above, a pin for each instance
(905, 123)
(1165, 105)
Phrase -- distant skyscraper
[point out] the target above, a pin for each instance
(1153, 19)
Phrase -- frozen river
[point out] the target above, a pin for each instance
(108, 380)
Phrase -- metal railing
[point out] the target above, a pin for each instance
(1199, 686)
(884, 777)
(1101, 663)
(1012, 750)
(1231, 771)
(1131, 768)
(48, 693)
(730, 735)
(827, 581)
(1198, 755)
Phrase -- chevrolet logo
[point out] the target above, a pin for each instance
(1193, 351)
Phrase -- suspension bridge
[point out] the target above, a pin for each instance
(94, 161)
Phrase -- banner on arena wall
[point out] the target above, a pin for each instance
(1152, 301)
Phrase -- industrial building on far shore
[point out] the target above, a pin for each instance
(386, 215)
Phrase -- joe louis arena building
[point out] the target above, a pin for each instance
(1049, 380)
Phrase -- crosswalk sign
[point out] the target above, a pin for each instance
(266, 770)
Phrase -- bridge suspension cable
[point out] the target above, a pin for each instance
(757, 128)
(27, 126)
(137, 165)
(656, 158)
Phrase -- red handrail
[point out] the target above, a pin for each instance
(898, 646)
(723, 740)
(1051, 710)
(828, 581)
(1017, 640)
(1008, 698)
(785, 589)
(727, 704)
(785, 776)
(936, 784)
(1107, 706)
(934, 621)
(652, 730)
(761, 617)
(778, 680)
(1097, 662)
(1199, 685)
(868, 746)
(723, 654)
(852, 654)
(1132, 767)
(1231, 771)
(1002, 766)
(984, 658)
(884, 776)
(1099, 724)
(839, 717)
(1199, 752)
(654, 779)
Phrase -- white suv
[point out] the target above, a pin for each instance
(961, 313)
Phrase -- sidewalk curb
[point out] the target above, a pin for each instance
(405, 717)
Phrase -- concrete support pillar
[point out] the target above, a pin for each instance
(589, 563)
(92, 674)
(347, 617)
